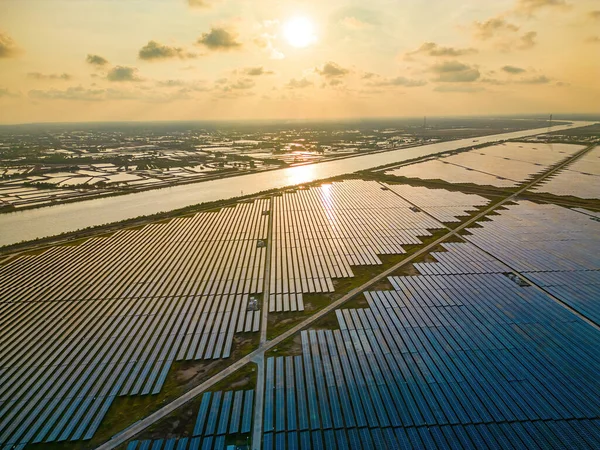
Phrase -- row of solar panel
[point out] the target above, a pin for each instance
(579, 179)
(173, 258)
(196, 443)
(503, 165)
(228, 412)
(64, 362)
(550, 246)
(318, 233)
(580, 434)
(412, 364)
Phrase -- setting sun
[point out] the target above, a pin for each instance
(299, 32)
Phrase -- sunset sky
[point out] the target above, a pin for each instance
(88, 60)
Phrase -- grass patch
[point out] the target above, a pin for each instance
(562, 200)
(289, 346)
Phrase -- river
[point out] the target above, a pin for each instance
(52, 220)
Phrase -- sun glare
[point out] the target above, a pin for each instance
(299, 32)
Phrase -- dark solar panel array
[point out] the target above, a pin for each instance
(578, 434)
(554, 247)
(461, 258)
(82, 325)
(463, 360)
(221, 415)
(319, 233)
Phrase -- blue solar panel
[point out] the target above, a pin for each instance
(207, 443)
(292, 440)
(340, 437)
(170, 444)
(268, 441)
(280, 443)
(225, 412)
(182, 444)
(279, 394)
(269, 395)
(213, 414)
(248, 411)
(365, 438)
(317, 440)
(194, 444)
(236, 412)
(202, 413)
(301, 394)
(305, 440)
(290, 393)
(219, 443)
(354, 439)
(157, 444)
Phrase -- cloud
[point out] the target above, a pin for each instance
(72, 93)
(269, 29)
(432, 49)
(503, 34)
(199, 3)
(184, 86)
(332, 70)
(52, 76)
(265, 42)
(398, 81)
(455, 72)
(541, 79)
(594, 15)
(219, 39)
(352, 23)
(154, 51)
(8, 93)
(528, 7)
(527, 41)
(493, 81)
(80, 93)
(593, 40)
(335, 82)
(123, 73)
(458, 88)
(355, 18)
(299, 84)
(96, 60)
(513, 70)
(256, 71)
(8, 47)
(490, 28)
(242, 84)
(171, 83)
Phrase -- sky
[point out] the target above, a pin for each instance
(114, 60)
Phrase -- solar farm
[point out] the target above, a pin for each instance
(580, 179)
(502, 165)
(484, 333)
